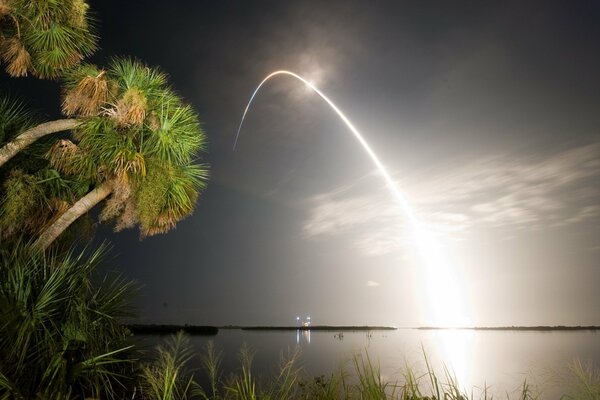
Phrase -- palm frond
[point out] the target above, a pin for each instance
(48, 36)
(178, 136)
(129, 73)
(22, 199)
(14, 118)
(168, 194)
(16, 56)
(130, 109)
(5, 9)
(85, 90)
(60, 328)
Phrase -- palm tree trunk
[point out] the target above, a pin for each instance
(83, 205)
(10, 149)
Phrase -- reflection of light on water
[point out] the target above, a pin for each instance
(445, 306)
(455, 348)
(305, 335)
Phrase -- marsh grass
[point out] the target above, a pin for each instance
(582, 382)
(167, 377)
(362, 381)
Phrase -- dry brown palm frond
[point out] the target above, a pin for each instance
(58, 207)
(116, 202)
(151, 231)
(95, 86)
(87, 97)
(74, 103)
(62, 154)
(128, 217)
(77, 15)
(103, 173)
(166, 221)
(131, 108)
(153, 121)
(73, 58)
(162, 224)
(125, 165)
(45, 216)
(5, 8)
(16, 57)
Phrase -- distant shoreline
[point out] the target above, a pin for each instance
(515, 328)
(316, 328)
(163, 329)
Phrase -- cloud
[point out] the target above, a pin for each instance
(372, 284)
(494, 192)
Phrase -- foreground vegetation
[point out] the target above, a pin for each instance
(62, 337)
(362, 379)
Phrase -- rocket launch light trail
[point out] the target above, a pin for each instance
(388, 179)
(446, 306)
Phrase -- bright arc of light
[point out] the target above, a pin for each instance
(386, 176)
(443, 292)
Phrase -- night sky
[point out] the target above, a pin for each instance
(487, 114)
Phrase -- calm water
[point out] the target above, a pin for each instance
(502, 359)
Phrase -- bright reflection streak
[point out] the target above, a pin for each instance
(305, 335)
(455, 348)
(442, 290)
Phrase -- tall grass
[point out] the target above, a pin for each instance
(582, 381)
(166, 378)
(364, 381)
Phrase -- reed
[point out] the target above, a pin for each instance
(364, 381)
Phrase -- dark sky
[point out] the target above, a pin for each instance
(485, 113)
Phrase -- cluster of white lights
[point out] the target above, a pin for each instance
(305, 322)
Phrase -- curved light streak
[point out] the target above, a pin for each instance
(388, 179)
(444, 297)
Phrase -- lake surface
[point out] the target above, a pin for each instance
(500, 359)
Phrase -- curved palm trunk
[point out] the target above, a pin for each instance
(10, 149)
(82, 206)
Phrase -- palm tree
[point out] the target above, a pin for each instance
(44, 37)
(134, 138)
(135, 145)
(32, 194)
(12, 148)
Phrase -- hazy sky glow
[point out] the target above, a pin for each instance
(486, 115)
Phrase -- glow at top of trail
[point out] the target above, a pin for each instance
(388, 179)
(443, 295)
